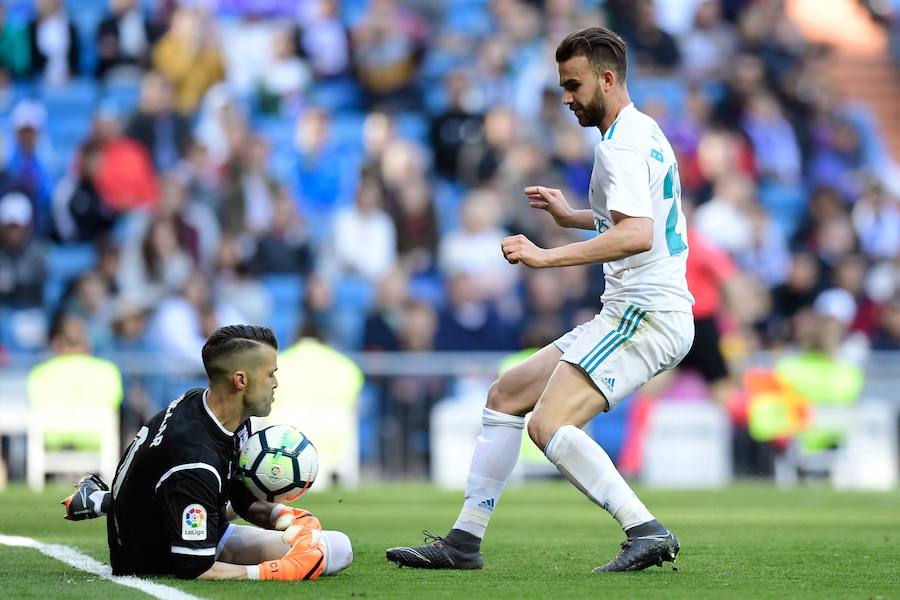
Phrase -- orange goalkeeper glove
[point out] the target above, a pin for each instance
(305, 561)
(287, 516)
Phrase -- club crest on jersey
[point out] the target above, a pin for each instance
(193, 523)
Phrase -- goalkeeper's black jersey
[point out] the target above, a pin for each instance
(170, 491)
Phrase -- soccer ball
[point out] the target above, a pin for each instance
(278, 464)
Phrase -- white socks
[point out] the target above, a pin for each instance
(496, 454)
(587, 466)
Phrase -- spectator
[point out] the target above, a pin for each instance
(28, 163)
(364, 238)
(472, 249)
(469, 323)
(457, 126)
(887, 336)
(876, 218)
(164, 133)
(23, 262)
(235, 284)
(123, 42)
(15, 48)
(124, 177)
(387, 47)
(54, 43)
(324, 38)
(286, 77)
(708, 48)
(130, 340)
(324, 179)
(654, 51)
(189, 56)
(156, 264)
(382, 327)
(79, 212)
(248, 192)
(286, 246)
(415, 222)
(91, 301)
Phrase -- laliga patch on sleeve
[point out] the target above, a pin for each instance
(193, 523)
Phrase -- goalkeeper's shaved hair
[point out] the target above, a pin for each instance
(229, 343)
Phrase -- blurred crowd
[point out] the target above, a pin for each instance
(346, 170)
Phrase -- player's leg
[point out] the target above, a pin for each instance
(512, 396)
(248, 545)
(602, 367)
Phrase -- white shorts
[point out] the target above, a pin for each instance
(624, 347)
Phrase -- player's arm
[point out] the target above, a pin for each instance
(627, 237)
(624, 177)
(267, 515)
(554, 202)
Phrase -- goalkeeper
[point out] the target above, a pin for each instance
(173, 495)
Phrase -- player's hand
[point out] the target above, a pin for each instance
(289, 516)
(552, 201)
(519, 249)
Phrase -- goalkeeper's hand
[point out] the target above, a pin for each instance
(80, 505)
(305, 561)
(286, 517)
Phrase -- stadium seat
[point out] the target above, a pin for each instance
(123, 96)
(352, 300)
(78, 96)
(411, 126)
(65, 263)
(786, 203)
(670, 91)
(286, 292)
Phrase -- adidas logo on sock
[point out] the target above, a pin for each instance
(488, 504)
(610, 382)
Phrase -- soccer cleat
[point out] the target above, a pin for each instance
(79, 505)
(436, 553)
(642, 552)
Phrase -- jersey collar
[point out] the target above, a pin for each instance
(213, 416)
(609, 132)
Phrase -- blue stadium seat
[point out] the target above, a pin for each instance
(336, 95)
(78, 96)
(353, 298)
(428, 288)
(65, 263)
(123, 96)
(411, 126)
(286, 291)
(279, 131)
(668, 89)
(346, 129)
(786, 203)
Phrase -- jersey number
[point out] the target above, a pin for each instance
(672, 191)
(139, 439)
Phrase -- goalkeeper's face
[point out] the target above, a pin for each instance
(261, 383)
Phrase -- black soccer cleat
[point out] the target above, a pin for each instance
(79, 505)
(642, 552)
(436, 553)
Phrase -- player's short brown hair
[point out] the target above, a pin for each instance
(600, 46)
(230, 340)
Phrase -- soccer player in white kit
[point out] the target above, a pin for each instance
(644, 327)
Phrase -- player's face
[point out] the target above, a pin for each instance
(582, 91)
(260, 391)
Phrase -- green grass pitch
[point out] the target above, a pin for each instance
(749, 541)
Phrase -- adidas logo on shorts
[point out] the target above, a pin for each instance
(610, 382)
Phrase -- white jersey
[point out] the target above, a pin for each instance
(635, 173)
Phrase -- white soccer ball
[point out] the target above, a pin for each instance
(278, 464)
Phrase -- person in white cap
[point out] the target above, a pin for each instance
(22, 259)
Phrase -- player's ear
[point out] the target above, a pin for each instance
(239, 379)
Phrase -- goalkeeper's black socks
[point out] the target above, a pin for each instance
(463, 540)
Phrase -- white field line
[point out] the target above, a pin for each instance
(84, 562)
